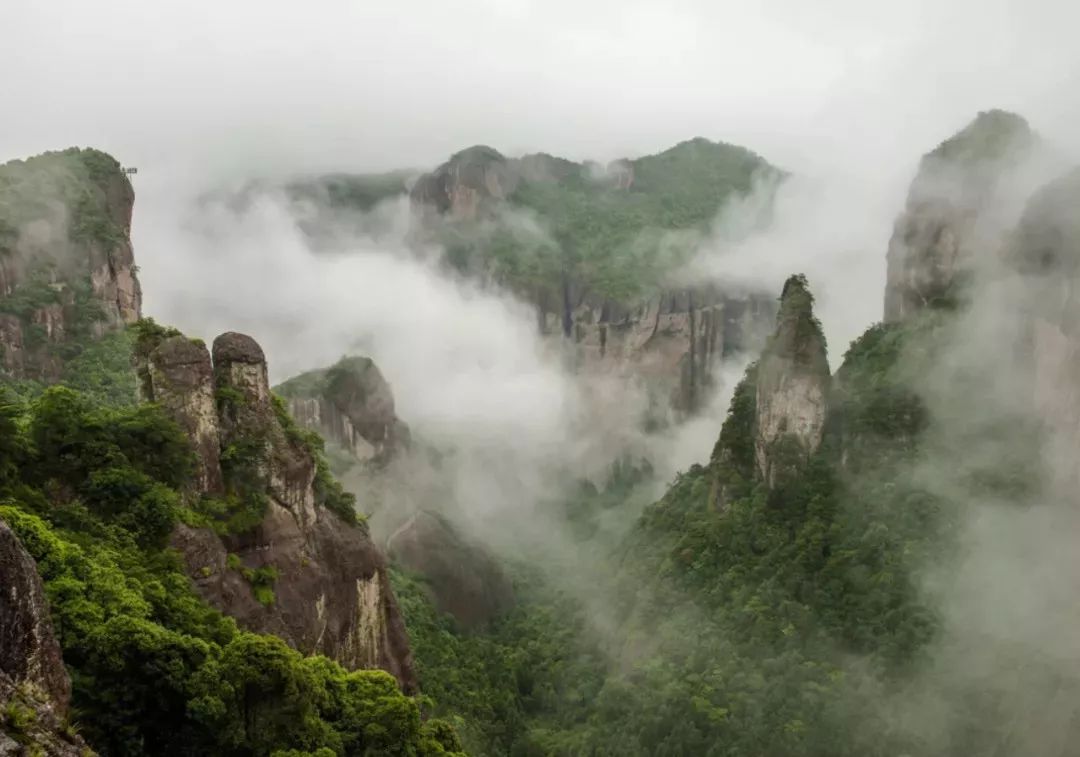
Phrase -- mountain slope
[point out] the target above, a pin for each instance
(97, 487)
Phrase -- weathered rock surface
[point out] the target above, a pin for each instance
(178, 375)
(952, 207)
(465, 580)
(466, 184)
(331, 593)
(673, 342)
(668, 341)
(792, 388)
(34, 685)
(352, 405)
(29, 651)
(68, 269)
(1044, 264)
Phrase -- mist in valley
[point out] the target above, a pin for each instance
(223, 109)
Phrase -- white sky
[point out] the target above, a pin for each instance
(845, 93)
(226, 88)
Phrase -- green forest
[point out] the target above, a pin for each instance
(786, 596)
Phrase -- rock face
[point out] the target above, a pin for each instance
(67, 269)
(466, 184)
(674, 341)
(178, 376)
(29, 651)
(465, 581)
(554, 231)
(351, 405)
(33, 680)
(1044, 263)
(934, 246)
(792, 388)
(299, 571)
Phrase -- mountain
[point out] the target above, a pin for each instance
(67, 271)
(212, 588)
(953, 205)
(35, 690)
(874, 560)
(593, 248)
(598, 251)
(352, 406)
(832, 580)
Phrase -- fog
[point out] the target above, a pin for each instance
(844, 95)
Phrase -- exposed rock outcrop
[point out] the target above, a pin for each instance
(351, 405)
(35, 690)
(792, 388)
(560, 248)
(178, 375)
(299, 570)
(674, 342)
(465, 580)
(465, 185)
(29, 652)
(67, 269)
(953, 207)
(1044, 261)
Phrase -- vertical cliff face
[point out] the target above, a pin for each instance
(178, 376)
(947, 223)
(464, 580)
(293, 567)
(352, 405)
(465, 186)
(1044, 283)
(34, 686)
(674, 342)
(29, 651)
(792, 385)
(67, 269)
(583, 243)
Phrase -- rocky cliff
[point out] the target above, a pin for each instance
(591, 247)
(953, 206)
(1043, 281)
(67, 271)
(350, 405)
(280, 549)
(674, 342)
(34, 686)
(792, 387)
(465, 581)
(467, 184)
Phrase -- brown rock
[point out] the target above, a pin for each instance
(29, 652)
(352, 405)
(331, 594)
(673, 342)
(792, 387)
(51, 236)
(940, 237)
(181, 381)
(464, 580)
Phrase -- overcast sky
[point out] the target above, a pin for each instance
(226, 88)
(846, 94)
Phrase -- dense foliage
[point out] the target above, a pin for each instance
(774, 623)
(29, 190)
(93, 492)
(615, 231)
